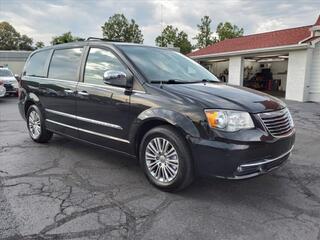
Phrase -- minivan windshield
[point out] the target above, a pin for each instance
(5, 73)
(161, 65)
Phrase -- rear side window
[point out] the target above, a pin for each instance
(65, 63)
(36, 66)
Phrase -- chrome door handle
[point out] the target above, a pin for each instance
(68, 91)
(83, 93)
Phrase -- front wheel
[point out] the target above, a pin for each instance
(36, 127)
(166, 159)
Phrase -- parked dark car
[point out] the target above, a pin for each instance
(154, 103)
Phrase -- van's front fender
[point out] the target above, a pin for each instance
(176, 119)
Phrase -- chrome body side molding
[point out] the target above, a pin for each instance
(88, 131)
(105, 124)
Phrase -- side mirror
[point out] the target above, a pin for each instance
(117, 78)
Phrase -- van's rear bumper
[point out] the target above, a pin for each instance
(241, 159)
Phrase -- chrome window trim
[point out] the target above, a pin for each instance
(88, 131)
(105, 124)
(54, 79)
(80, 83)
(101, 85)
(85, 84)
(139, 91)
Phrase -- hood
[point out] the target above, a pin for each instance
(8, 80)
(220, 95)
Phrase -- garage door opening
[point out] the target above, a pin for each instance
(266, 73)
(219, 67)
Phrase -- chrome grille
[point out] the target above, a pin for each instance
(278, 123)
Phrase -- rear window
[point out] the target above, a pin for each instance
(65, 63)
(36, 67)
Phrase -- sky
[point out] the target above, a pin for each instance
(43, 19)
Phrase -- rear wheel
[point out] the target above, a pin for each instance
(36, 127)
(166, 159)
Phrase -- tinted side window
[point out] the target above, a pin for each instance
(36, 65)
(64, 64)
(99, 61)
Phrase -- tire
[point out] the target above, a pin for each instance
(36, 126)
(175, 169)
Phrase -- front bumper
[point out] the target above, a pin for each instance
(11, 88)
(239, 160)
(253, 169)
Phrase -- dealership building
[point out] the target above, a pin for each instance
(285, 63)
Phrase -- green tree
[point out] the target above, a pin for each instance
(65, 38)
(10, 39)
(204, 37)
(227, 31)
(39, 45)
(118, 28)
(183, 43)
(171, 36)
(25, 43)
(167, 37)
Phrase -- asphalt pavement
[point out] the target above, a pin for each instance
(70, 190)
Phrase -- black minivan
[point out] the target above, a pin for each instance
(155, 104)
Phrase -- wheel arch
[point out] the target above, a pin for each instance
(32, 99)
(152, 118)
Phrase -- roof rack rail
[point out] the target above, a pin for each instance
(101, 39)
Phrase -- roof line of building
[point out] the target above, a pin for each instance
(257, 50)
(275, 31)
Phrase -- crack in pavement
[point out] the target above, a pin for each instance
(69, 191)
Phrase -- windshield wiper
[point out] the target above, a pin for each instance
(205, 80)
(179, 81)
(171, 81)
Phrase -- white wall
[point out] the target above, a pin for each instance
(15, 60)
(15, 66)
(298, 75)
(314, 83)
(236, 70)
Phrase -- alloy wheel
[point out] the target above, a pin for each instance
(34, 124)
(162, 160)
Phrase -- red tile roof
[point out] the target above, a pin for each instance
(262, 40)
(317, 22)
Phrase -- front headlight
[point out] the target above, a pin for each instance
(229, 120)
